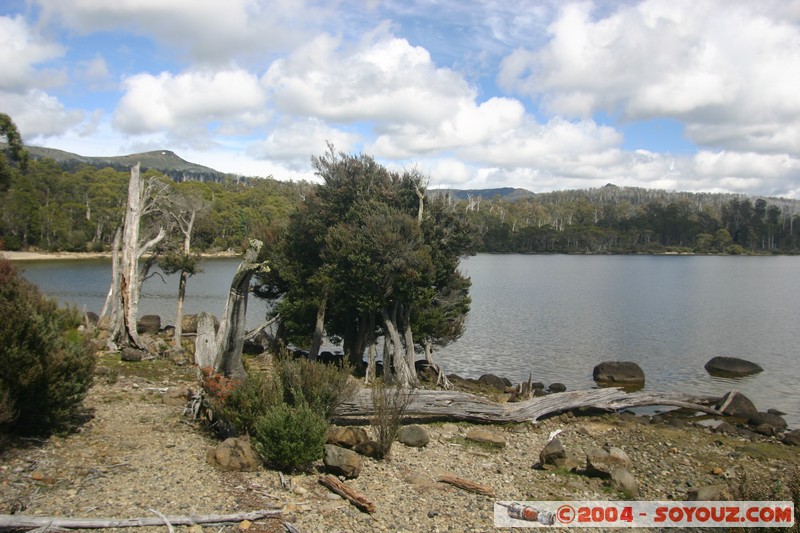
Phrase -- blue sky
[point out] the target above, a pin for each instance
(544, 95)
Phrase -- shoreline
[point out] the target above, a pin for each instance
(50, 256)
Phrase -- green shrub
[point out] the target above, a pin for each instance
(289, 437)
(238, 413)
(46, 367)
(323, 387)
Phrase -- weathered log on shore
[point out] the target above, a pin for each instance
(56, 522)
(455, 405)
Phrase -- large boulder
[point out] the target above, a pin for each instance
(149, 324)
(731, 367)
(90, 318)
(621, 372)
(369, 449)
(792, 438)
(234, 454)
(131, 355)
(342, 462)
(486, 436)
(734, 403)
(413, 436)
(623, 481)
(347, 437)
(189, 324)
(553, 454)
(495, 382)
(776, 421)
(602, 462)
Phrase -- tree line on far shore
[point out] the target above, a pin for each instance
(45, 207)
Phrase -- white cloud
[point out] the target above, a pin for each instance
(208, 31)
(190, 101)
(382, 78)
(294, 142)
(714, 64)
(37, 114)
(21, 50)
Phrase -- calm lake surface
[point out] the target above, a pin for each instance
(557, 316)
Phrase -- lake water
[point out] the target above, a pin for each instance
(85, 283)
(557, 316)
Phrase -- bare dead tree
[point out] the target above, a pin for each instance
(230, 337)
(144, 199)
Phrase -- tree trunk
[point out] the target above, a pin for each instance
(394, 360)
(179, 312)
(109, 306)
(408, 339)
(319, 328)
(187, 249)
(230, 338)
(441, 378)
(125, 333)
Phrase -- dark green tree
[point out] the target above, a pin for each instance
(367, 255)
(14, 151)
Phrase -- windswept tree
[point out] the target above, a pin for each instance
(183, 209)
(14, 153)
(368, 255)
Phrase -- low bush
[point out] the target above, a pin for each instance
(46, 366)
(236, 411)
(323, 387)
(289, 437)
(390, 404)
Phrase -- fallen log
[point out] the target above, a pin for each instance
(467, 485)
(17, 521)
(347, 493)
(456, 405)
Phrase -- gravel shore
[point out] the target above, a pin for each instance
(140, 455)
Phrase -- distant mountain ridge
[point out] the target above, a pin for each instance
(510, 194)
(178, 169)
(165, 161)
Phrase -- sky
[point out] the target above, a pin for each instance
(682, 95)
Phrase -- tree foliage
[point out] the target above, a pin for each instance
(46, 367)
(367, 255)
(632, 220)
(14, 153)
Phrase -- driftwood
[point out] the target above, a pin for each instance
(455, 405)
(347, 493)
(28, 522)
(467, 485)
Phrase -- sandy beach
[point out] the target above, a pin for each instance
(42, 256)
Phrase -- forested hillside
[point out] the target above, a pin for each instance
(50, 208)
(632, 220)
(79, 207)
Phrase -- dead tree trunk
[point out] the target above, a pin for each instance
(113, 291)
(230, 337)
(124, 333)
(455, 405)
(319, 328)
